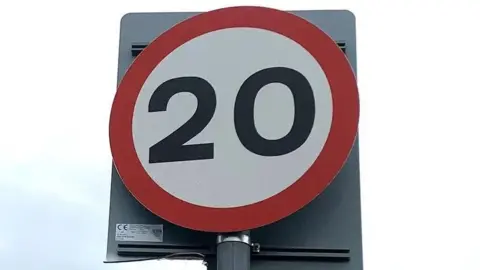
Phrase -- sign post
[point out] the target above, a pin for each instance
(232, 120)
(233, 251)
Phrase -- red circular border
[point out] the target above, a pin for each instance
(337, 147)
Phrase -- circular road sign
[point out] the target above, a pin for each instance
(234, 119)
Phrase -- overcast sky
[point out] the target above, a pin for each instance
(418, 71)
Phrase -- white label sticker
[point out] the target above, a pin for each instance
(139, 232)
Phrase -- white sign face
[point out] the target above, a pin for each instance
(229, 169)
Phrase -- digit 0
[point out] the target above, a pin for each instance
(303, 119)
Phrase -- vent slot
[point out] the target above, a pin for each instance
(137, 48)
(264, 253)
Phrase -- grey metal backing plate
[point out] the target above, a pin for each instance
(332, 220)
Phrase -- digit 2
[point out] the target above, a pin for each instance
(172, 148)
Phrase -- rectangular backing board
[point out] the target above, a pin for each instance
(329, 225)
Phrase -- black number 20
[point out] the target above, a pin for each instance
(173, 148)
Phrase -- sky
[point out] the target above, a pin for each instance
(419, 129)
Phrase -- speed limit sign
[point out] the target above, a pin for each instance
(234, 119)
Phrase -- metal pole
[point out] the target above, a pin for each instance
(233, 251)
